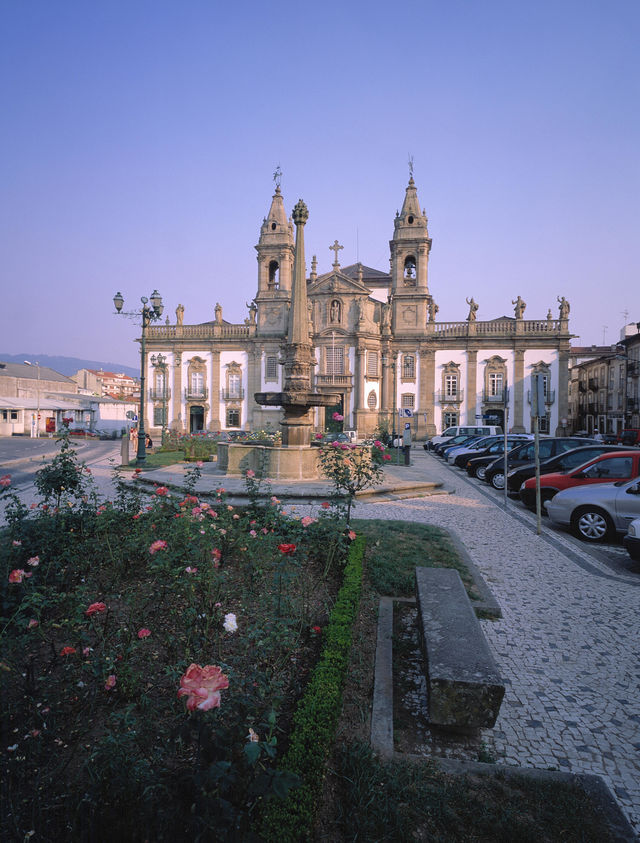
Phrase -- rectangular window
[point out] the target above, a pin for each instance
(158, 416)
(450, 386)
(372, 364)
(271, 369)
(495, 383)
(450, 420)
(14, 415)
(409, 367)
(233, 417)
(159, 382)
(234, 382)
(408, 400)
(335, 360)
(4, 415)
(197, 383)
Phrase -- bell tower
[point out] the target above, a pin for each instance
(410, 249)
(275, 264)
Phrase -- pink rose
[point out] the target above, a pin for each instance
(5, 480)
(253, 533)
(307, 520)
(156, 546)
(110, 683)
(34, 561)
(325, 504)
(351, 535)
(16, 543)
(161, 491)
(95, 609)
(386, 457)
(202, 686)
(191, 570)
(337, 417)
(250, 473)
(32, 623)
(144, 633)
(18, 575)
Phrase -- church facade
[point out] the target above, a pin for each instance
(378, 345)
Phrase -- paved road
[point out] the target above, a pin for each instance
(568, 645)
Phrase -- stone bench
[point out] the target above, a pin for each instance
(464, 685)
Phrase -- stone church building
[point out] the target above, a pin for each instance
(377, 341)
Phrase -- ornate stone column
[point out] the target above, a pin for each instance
(177, 422)
(215, 423)
(563, 387)
(471, 387)
(518, 421)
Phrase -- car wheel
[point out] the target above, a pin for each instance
(480, 472)
(591, 524)
(497, 481)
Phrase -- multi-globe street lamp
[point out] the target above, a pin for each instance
(150, 311)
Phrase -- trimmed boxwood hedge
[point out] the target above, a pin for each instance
(316, 719)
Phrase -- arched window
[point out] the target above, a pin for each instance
(408, 367)
(274, 275)
(410, 270)
(372, 400)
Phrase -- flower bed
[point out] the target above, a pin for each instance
(154, 651)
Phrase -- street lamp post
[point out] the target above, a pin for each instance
(28, 363)
(151, 310)
(159, 361)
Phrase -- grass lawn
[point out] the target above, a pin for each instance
(157, 459)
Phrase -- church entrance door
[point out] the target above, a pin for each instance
(196, 419)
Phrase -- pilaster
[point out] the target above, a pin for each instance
(518, 421)
(426, 389)
(563, 387)
(472, 388)
(177, 422)
(215, 422)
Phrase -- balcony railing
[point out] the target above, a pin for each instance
(593, 383)
(232, 394)
(444, 397)
(159, 394)
(191, 394)
(334, 380)
(490, 398)
(549, 398)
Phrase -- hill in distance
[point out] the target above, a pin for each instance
(68, 365)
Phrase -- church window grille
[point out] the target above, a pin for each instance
(271, 369)
(233, 417)
(372, 364)
(372, 400)
(159, 416)
(408, 400)
(408, 367)
(335, 360)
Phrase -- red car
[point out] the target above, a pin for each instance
(607, 468)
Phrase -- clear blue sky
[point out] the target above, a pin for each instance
(139, 140)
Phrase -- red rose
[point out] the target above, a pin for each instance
(287, 548)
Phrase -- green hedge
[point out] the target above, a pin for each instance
(316, 719)
(199, 449)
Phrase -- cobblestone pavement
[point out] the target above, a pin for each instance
(568, 645)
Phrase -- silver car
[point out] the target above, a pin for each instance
(596, 512)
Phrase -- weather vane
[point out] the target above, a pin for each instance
(277, 176)
(411, 166)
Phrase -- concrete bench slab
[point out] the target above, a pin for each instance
(464, 685)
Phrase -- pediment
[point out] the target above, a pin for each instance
(327, 332)
(336, 282)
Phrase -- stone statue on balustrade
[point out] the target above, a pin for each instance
(520, 306)
(252, 312)
(433, 310)
(218, 313)
(473, 309)
(564, 307)
(179, 314)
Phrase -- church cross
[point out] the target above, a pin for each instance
(336, 248)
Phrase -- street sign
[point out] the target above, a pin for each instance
(407, 413)
(480, 416)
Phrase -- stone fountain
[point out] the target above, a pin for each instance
(295, 459)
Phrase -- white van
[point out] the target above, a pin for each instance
(464, 429)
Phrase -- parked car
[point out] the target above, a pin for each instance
(86, 434)
(328, 438)
(607, 468)
(470, 430)
(549, 446)
(491, 449)
(561, 462)
(632, 539)
(471, 447)
(595, 513)
(462, 439)
(630, 437)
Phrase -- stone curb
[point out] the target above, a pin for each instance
(382, 738)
